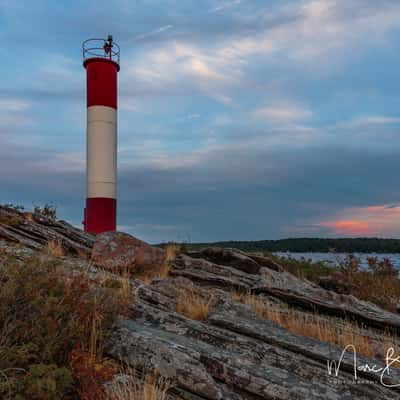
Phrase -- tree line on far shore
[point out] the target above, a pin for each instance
(305, 245)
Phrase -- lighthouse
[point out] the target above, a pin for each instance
(101, 58)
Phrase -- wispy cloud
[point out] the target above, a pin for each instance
(282, 112)
(13, 105)
(311, 32)
(224, 6)
(375, 120)
(154, 32)
(179, 63)
(14, 114)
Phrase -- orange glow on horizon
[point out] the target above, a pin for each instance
(374, 220)
(350, 227)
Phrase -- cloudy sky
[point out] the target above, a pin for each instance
(238, 119)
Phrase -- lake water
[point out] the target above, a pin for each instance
(336, 258)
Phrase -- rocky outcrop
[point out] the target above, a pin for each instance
(236, 355)
(232, 354)
(250, 264)
(285, 286)
(120, 251)
(35, 231)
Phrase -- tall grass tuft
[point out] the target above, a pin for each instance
(325, 329)
(162, 272)
(193, 305)
(55, 248)
(149, 387)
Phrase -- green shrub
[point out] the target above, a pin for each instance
(305, 269)
(46, 322)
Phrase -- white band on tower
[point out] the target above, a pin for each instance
(101, 159)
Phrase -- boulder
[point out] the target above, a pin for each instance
(121, 251)
(228, 257)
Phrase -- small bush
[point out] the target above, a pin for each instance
(50, 324)
(90, 373)
(48, 211)
(379, 284)
(305, 269)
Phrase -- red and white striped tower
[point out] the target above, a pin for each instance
(101, 61)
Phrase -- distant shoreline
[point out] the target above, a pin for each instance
(310, 245)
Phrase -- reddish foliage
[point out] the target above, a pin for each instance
(90, 374)
(56, 334)
(379, 283)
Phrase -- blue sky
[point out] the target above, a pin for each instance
(237, 119)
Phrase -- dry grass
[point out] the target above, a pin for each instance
(150, 387)
(96, 341)
(149, 275)
(55, 248)
(10, 220)
(251, 300)
(380, 284)
(82, 254)
(121, 285)
(193, 305)
(331, 330)
(163, 271)
(172, 250)
(29, 217)
(125, 290)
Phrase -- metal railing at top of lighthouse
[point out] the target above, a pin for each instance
(101, 48)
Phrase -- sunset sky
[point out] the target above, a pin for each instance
(240, 120)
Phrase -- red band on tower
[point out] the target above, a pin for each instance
(101, 77)
(100, 215)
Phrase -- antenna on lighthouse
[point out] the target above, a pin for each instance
(101, 59)
(108, 45)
